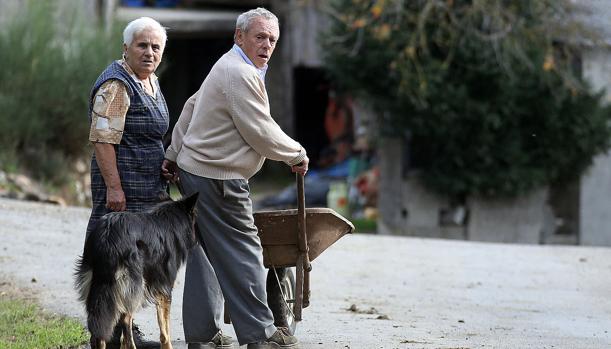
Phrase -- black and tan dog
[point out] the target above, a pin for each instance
(131, 259)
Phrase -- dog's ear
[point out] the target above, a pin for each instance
(190, 201)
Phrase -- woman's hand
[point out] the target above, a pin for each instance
(169, 170)
(115, 199)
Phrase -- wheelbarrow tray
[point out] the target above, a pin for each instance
(279, 236)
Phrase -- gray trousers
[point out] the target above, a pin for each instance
(230, 264)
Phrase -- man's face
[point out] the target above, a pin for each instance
(144, 53)
(259, 42)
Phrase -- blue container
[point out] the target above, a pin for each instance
(133, 3)
(166, 3)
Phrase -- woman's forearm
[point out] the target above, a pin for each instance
(107, 161)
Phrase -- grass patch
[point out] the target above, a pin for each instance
(24, 325)
(363, 225)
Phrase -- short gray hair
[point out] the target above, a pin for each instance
(143, 23)
(246, 18)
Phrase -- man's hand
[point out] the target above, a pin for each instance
(115, 199)
(301, 167)
(169, 170)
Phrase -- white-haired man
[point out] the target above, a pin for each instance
(129, 117)
(224, 134)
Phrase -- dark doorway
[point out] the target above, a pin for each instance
(187, 62)
(311, 98)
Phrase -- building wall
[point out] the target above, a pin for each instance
(595, 193)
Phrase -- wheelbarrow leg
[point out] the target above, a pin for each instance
(298, 306)
(306, 288)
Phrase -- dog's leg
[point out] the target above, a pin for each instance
(127, 341)
(97, 343)
(163, 318)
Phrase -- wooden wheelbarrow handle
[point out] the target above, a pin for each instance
(303, 261)
(301, 222)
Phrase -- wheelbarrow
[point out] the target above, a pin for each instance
(294, 238)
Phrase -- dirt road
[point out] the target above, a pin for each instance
(372, 291)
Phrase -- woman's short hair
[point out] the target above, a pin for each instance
(245, 18)
(143, 23)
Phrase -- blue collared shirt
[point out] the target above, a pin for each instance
(261, 71)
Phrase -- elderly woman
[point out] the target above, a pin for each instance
(129, 118)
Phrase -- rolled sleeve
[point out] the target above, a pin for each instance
(298, 159)
(110, 105)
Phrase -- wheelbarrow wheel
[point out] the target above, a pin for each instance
(281, 299)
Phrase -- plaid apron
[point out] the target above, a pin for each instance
(140, 153)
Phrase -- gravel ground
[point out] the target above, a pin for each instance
(370, 291)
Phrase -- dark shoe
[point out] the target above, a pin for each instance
(218, 341)
(139, 340)
(280, 339)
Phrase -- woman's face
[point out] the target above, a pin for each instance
(144, 53)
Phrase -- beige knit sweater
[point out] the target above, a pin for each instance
(225, 130)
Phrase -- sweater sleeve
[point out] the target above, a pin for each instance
(181, 128)
(250, 113)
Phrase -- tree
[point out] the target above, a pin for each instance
(487, 92)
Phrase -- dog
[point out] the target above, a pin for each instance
(131, 259)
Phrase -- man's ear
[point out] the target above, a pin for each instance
(124, 50)
(239, 36)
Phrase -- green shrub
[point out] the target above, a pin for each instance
(51, 54)
(488, 98)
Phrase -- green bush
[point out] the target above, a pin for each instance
(51, 54)
(488, 97)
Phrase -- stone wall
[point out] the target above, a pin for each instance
(595, 189)
(408, 208)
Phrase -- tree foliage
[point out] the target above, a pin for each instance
(51, 54)
(487, 92)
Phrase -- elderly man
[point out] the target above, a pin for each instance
(224, 134)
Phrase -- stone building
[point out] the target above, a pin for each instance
(579, 213)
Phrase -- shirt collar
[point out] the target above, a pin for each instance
(134, 77)
(260, 71)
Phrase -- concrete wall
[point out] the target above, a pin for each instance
(520, 220)
(307, 22)
(595, 193)
(594, 203)
(407, 208)
(390, 196)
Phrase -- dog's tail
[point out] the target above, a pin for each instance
(108, 277)
(99, 297)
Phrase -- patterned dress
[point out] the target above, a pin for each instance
(139, 152)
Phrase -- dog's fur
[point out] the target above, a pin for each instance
(131, 259)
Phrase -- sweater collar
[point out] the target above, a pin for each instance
(260, 71)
